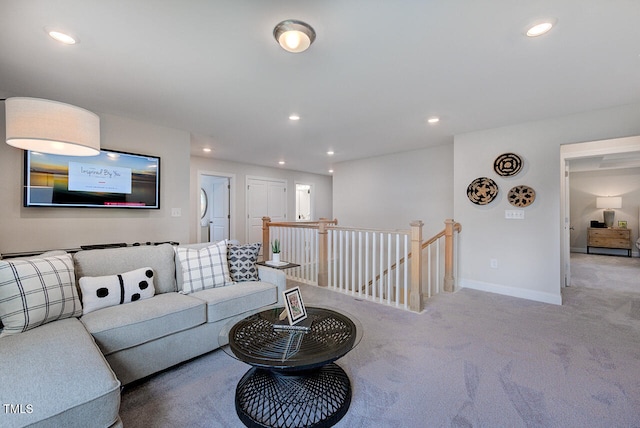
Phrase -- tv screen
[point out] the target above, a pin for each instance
(111, 179)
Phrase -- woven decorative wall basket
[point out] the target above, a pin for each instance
(507, 164)
(521, 196)
(482, 191)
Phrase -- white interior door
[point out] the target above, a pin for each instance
(218, 222)
(303, 202)
(220, 216)
(265, 197)
(567, 227)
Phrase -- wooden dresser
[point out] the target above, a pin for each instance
(609, 238)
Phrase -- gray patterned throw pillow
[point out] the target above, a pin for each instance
(242, 262)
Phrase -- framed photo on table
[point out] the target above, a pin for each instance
(296, 311)
(622, 224)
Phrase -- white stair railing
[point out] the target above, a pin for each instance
(395, 267)
(365, 263)
(299, 245)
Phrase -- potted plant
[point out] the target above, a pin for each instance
(275, 250)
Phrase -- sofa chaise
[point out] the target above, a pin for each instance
(67, 368)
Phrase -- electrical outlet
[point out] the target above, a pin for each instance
(493, 263)
(514, 214)
(176, 212)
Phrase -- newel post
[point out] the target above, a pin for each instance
(415, 296)
(448, 255)
(266, 244)
(323, 253)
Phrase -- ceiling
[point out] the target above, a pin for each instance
(605, 162)
(376, 72)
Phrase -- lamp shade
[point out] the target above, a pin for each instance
(609, 202)
(51, 127)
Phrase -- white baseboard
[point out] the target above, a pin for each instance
(538, 296)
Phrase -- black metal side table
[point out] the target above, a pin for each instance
(294, 381)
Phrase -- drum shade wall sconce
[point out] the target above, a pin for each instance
(608, 203)
(51, 127)
(294, 36)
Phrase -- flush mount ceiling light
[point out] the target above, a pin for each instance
(540, 28)
(294, 117)
(51, 127)
(294, 36)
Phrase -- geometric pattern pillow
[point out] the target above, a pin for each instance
(103, 291)
(204, 268)
(242, 262)
(37, 291)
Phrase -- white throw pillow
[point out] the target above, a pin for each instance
(204, 268)
(37, 291)
(103, 291)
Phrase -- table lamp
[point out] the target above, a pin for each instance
(608, 203)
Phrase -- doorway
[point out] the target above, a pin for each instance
(304, 202)
(572, 154)
(265, 197)
(216, 204)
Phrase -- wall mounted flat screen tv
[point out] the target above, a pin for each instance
(111, 179)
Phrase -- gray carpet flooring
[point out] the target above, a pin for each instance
(605, 272)
(470, 359)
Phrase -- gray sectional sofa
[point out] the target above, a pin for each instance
(69, 372)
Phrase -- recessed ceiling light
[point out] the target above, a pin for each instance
(281, 163)
(294, 117)
(540, 28)
(330, 171)
(61, 37)
(330, 152)
(433, 120)
(206, 150)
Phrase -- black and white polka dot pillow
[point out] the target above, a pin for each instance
(103, 291)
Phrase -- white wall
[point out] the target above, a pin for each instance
(587, 185)
(388, 192)
(31, 229)
(322, 187)
(528, 251)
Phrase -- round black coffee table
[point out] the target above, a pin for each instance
(294, 381)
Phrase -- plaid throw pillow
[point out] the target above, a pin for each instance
(204, 268)
(35, 292)
(242, 262)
